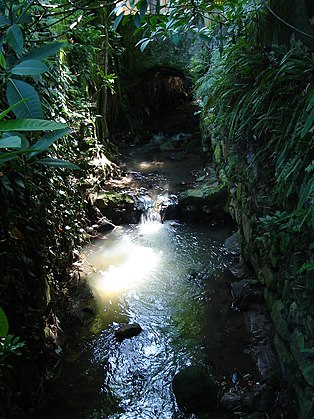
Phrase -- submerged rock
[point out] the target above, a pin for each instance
(128, 331)
(195, 390)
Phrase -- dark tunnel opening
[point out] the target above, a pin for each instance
(162, 99)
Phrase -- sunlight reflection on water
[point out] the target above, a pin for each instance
(122, 264)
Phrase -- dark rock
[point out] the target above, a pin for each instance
(247, 294)
(117, 206)
(232, 399)
(259, 400)
(89, 310)
(104, 225)
(241, 270)
(195, 390)
(232, 244)
(237, 288)
(128, 331)
(168, 208)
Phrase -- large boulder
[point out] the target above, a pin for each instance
(195, 390)
(204, 202)
(118, 207)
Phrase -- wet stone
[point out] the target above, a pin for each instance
(232, 245)
(127, 331)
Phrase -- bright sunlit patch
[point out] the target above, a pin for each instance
(128, 274)
(144, 165)
(150, 227)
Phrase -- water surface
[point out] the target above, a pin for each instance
(173, 280)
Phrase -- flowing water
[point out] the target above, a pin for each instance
(173, 280)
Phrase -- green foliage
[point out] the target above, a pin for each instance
(22, 98)
(257, 103)
(203, 18)
(261, 100)
(43, 208)
(17, 61)
(9, 345)
(4, 324)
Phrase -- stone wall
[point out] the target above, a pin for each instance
(275, 258)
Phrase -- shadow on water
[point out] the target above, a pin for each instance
(173, 280)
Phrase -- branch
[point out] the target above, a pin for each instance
(286, 23)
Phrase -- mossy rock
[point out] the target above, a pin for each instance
(117, 207)
(105, 199)
(205, 202)
(280, 319)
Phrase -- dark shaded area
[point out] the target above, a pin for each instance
(161, 100)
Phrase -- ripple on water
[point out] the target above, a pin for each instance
(171, 280)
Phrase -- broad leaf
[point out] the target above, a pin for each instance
(143, 8)
(137, 20)
(15, 38)
(5, 112)
(11, 142)
(45, 51)
(18, 90)
(46, 140)
(117, 21)
(4, 21)
(4, 324)
(143, 43)
(58, 163)
(30, 125)
(3, 62)
(29, 68)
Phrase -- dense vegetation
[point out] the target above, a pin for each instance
(50, 91)
(62, 94)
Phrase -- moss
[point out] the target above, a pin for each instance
(279, 318)
(115, 198)
(301, 353)
(217, 154)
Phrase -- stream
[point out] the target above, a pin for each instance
(172, 279)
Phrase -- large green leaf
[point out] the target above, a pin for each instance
(11, 142)
(45, 51)
(4, 325)
(58, 163)
(18, 90)
(29, 68)
(46, 140)
(30, 125)
(15, 38)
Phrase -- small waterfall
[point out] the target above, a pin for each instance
(158, 210)
(150, 213)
